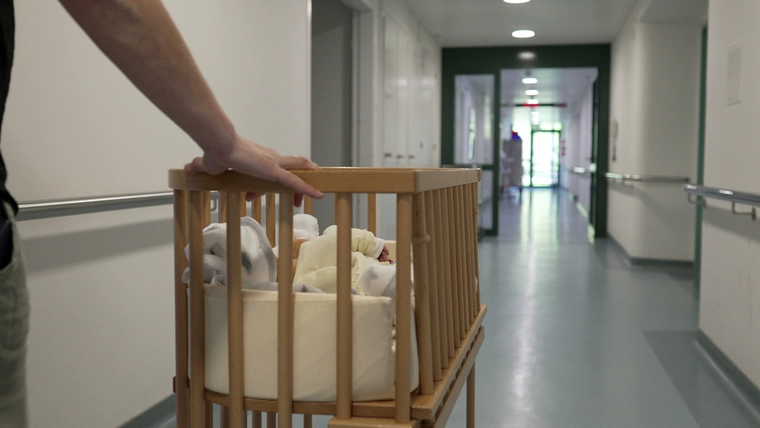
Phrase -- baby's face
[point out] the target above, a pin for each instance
(384, 255)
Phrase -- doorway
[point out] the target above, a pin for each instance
(460, 62)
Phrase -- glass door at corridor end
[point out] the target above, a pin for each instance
(541, 160)
(475, 127)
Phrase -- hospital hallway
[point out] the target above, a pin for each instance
(576, 338)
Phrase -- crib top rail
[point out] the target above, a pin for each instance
(334, 180)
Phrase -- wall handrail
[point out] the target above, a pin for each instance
(35, 210)
(645, 178)
(732, 196)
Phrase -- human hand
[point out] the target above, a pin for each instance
(253, 159)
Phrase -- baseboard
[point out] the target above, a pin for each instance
(638, 262)
(155, 416)
(744, 389)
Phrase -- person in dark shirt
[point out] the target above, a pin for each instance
(142, 40)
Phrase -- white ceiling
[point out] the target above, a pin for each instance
(458, 23)
(471, 23)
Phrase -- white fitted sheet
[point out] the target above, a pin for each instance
(315, 346)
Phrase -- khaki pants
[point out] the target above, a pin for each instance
(14, 326)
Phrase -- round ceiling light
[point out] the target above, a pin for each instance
(523, 34)
(531, 92)
(530, 80)
(516, 1)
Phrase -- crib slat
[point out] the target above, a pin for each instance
(271, 420)
(452, 265)
(197, 311)
(459, 265)
(432, 280)
(343, 208)
(285, 313)
(441, 281)
(271, 226)
(470, 248)
(451, 323)
(256, 209)
(476, 260)
(422, 295)
(464, 250)
(307, 421)
(372, 212)
(403, 306)
(308, 205)
(472, 210)
(180, 309)
(206, 208)
(234, 309)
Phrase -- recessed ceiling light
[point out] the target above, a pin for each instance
(523, 34)
(530, 80)
(526, 56)
(516, 1)
(531, 92)
(533, 101)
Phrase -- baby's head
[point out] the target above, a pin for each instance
(384, 255)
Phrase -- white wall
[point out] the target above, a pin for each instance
(578, 145)
(101, 343)
(408, 100)
(730, 280)
(654, 101)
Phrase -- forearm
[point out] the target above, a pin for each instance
(140, 37)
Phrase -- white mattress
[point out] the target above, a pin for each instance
(315, 348)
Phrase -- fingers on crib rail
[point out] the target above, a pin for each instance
(182, 388)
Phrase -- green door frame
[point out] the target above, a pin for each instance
(700, 164)
(491, 60)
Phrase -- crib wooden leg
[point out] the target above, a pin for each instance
(306, 421)
(471, 398)
(256, 417)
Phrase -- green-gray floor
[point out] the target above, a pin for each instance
(575, 338)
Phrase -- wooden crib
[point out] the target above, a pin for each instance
(436, 226)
